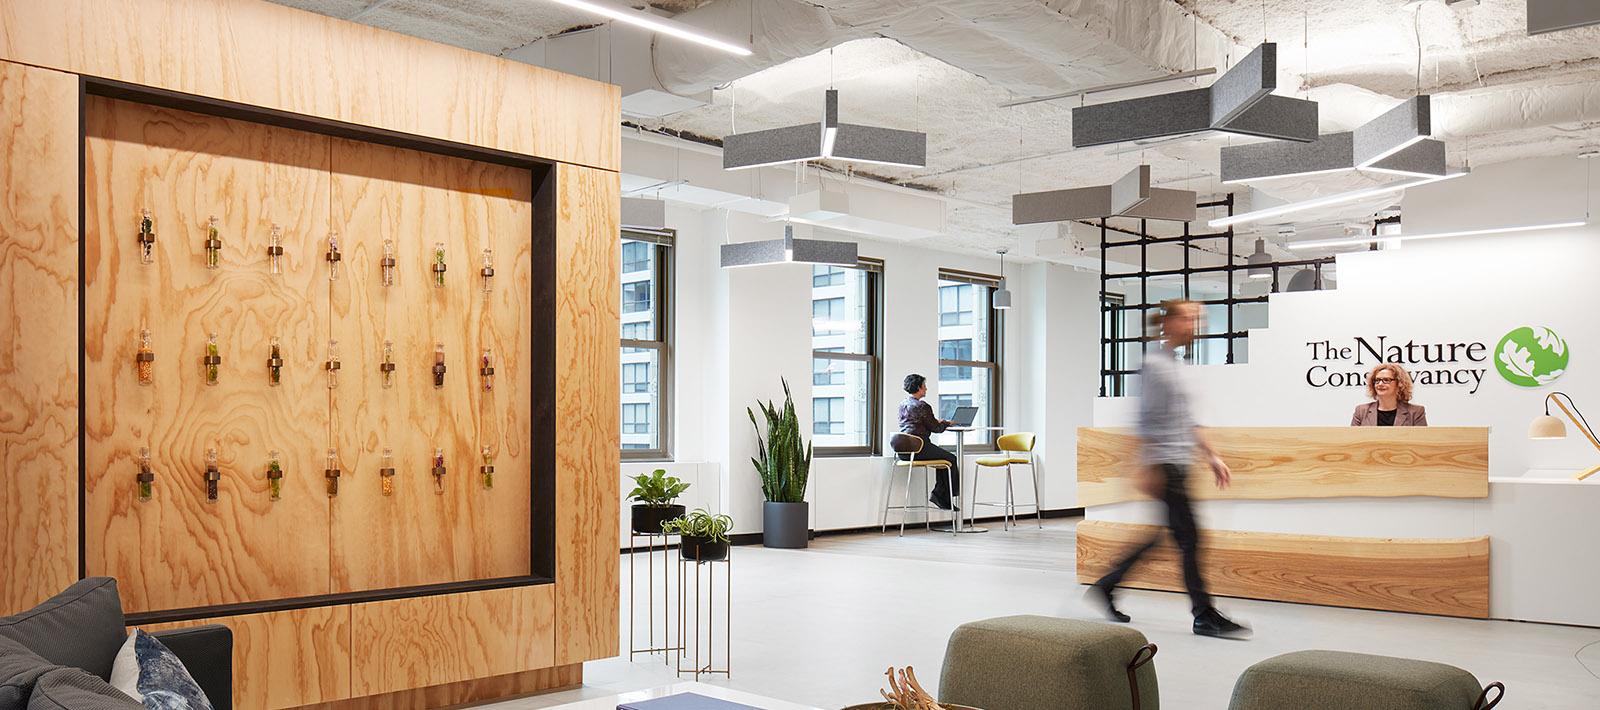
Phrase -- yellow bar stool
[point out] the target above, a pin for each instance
(1015, 449)
(906, 447)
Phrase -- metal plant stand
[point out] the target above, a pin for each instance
(697, 634)
(655, 544)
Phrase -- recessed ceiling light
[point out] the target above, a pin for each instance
(650, 22)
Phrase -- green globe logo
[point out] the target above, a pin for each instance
(1531, 356)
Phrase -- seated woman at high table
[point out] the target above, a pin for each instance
(1389, 386)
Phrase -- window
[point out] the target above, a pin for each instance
(635, 377)
(958, 349)
(827, 315)
(636, 256)
(646, 345)
(636, 296)
(845, 347)
(827, 276)
(636, 419)
(827, 415)
(969, 353)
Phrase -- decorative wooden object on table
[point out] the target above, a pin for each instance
(1445, 576)
(1305, 462)
(905, 693)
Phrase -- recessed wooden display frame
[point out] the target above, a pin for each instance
(542, 453)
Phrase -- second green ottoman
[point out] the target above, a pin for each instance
(1337, 680)
(1044, 663)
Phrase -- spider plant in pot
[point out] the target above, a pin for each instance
(703, 536)
(784, 466)
(653, 495)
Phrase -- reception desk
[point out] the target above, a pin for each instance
(1374, 518)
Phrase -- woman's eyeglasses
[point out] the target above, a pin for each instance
(1383, 380)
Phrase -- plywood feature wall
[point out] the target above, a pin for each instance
(1305, 462)
(587, 424)
(180, 550)
(419, 535)
(38, 349)
(1447, 576)
(286, 659)
(425, 641)
(263, 54)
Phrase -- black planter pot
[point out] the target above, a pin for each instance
(702, 549)
(785, 525)
(647, 519)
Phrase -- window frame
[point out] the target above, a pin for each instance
(665, 286)
(996, 353)
(873, 359)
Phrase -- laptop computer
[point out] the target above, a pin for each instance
(963, 416)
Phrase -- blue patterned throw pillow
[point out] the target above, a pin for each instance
(149, 672)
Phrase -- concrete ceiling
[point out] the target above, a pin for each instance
(944, 67)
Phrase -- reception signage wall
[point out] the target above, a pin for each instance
(1529, 356)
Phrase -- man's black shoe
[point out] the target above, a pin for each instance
(942, 503)
(1212, 623)
(1103, 595)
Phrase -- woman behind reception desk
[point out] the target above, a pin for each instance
(1389, 386)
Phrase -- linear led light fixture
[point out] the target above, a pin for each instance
(1113, 87)
(1130, 196)
(1345, 242)
(829, 139)
(1394, 143)
(1328, 201)
(789, 250)
(655, 24)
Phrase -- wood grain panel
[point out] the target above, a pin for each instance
(1305, 462)
(38, 348)
(1449, 577)
(286, 659)
(587, 424)
(268, 55)
(471, 691)
(416, 535)
(180, 550)
(426, 641)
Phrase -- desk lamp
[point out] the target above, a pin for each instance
(1549, 427)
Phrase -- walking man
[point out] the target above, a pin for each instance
(1169, 439)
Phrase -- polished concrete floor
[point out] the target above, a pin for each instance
(819, 626)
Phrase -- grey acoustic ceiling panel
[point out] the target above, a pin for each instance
(1555, 15)
(789, 250)
(1394, 142)
(1239, 101)
(1129, 196)
(644, 214)
(828, 139)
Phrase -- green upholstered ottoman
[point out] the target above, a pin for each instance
(1336, 680)
(1043, 663)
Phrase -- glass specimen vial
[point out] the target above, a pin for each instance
(486, 369)
(386, 472)
(387, 262)
(147, 237)
(487, 271)
(213, 244)
(332, 366)
(331, 472)
(274, 363)
(146, 477)
(386, 368)
(333, 256)
(275, 250)
(438, 471)
(438, 264)
(212, 360)
(486, 469)
(213, 474)
(274, 475)
(145, 361)
(438, 366)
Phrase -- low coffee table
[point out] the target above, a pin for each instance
(711, 691)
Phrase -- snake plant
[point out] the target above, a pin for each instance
(785, 461)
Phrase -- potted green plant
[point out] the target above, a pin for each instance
(653, 494)
(784, 466)
(703, 537)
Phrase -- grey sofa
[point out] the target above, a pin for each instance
(59, 653)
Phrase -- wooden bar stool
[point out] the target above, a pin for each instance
(906, 447)
(1014, 449)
